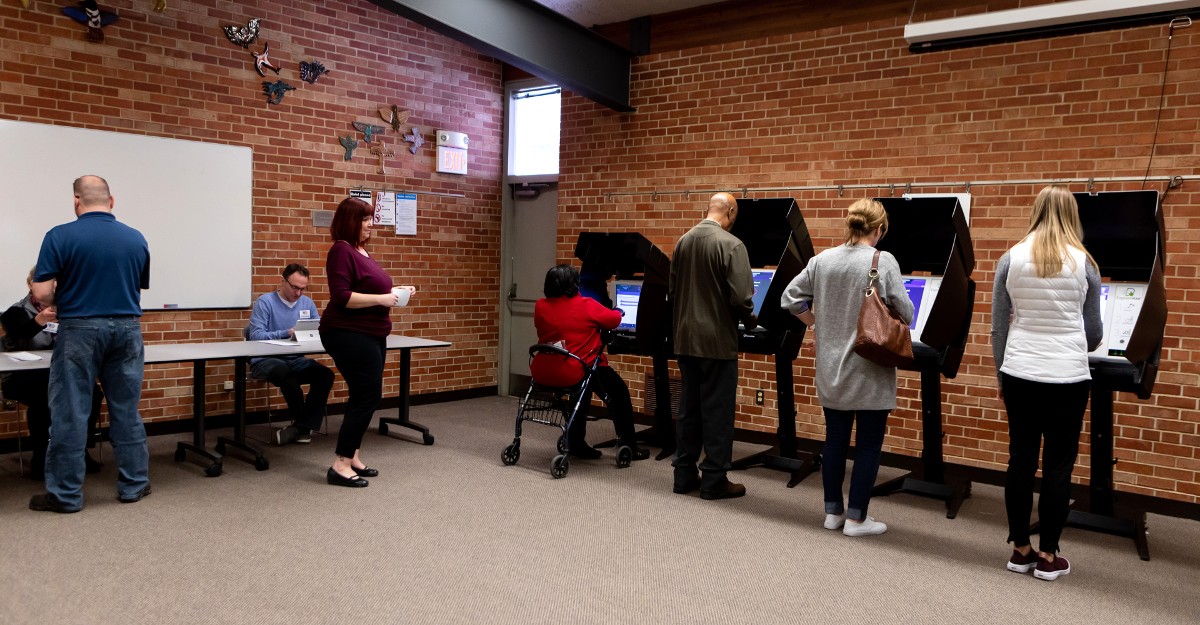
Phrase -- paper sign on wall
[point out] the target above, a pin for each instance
(385, 208)
(406, 213)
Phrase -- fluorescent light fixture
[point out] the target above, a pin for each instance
(1039, 21)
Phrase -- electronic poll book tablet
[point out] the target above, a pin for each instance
(306, 330)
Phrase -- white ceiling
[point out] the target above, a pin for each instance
(593, 12)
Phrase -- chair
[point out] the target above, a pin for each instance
(22, 431)
(265, 383)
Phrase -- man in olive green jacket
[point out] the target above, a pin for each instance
(711, 289)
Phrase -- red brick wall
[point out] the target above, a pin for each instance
(853, 106)
(175, 75)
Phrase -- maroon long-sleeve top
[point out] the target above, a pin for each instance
(348, 272)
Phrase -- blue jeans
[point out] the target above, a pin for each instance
(109, 349)
(872, 424)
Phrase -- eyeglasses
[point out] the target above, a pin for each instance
(294, 287)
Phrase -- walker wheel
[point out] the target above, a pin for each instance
(510, 455)
(559, 467)
(562, 444)
(624, 457)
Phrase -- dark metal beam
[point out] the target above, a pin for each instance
(527, 35)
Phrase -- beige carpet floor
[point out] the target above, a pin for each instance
(446, 534)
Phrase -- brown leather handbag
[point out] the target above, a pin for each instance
(883, 337)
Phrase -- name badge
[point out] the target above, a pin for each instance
(306, 314)
(51, 327)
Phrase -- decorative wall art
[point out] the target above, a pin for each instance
(381, 151)
(262, 60)
(350, 144)
(310, 71)
(89, 14)
(394, 116)
(276, 90)
(243, 35)
(160, 6)
(415, 139)
(369, 130)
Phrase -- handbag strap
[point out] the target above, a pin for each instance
(873, 274)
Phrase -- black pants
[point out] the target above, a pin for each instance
(611, 389)
(360, 359)
(32, 388)
(1038, 410)
(706, 415)
(289, 374)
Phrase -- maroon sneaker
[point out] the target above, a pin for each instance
(1023, 564)
(1050, 571)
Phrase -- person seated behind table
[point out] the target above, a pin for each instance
(574, 322)
(274, 316)
(30, 326)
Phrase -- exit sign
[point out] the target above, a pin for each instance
(452, 152)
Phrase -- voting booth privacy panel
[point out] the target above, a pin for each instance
(191, 200)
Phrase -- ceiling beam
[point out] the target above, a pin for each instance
(527, 35)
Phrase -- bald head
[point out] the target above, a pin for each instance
(722, 208)
(91, 194)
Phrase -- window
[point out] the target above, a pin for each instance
(533, 134)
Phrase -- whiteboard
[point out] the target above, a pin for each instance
(191, 200)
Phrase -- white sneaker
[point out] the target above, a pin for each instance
(869, 527)
(834, 521)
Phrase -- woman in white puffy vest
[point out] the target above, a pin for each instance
(1045, 320)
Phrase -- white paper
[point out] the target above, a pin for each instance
(23, 356)
(406, 213)
(283, 342)
(385, 208)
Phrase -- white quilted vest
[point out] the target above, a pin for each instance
(1046, 342)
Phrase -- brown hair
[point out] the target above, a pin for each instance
(347, 220)
(863, 217)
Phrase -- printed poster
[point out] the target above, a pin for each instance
(405, 215)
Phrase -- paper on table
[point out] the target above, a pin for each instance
(281, 342)
(23, 356)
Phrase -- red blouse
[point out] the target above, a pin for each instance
(577, 322)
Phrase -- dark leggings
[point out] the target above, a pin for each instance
(360, 359)
(611, 389)
(1037, 410)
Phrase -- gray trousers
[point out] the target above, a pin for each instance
(706, 415)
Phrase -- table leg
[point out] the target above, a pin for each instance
(196, 447)
(239, 425)
(402, 419)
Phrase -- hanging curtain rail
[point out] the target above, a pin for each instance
(395, 190)
(907, 187)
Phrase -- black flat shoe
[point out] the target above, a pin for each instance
(366, 472)
(336, 479)
(640, 453)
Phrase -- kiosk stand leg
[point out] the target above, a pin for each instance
(1101, 513)
(930, 481)
(784, 456)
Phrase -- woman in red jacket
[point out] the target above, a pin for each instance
(574, 322)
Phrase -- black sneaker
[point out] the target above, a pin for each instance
(1023, 564)
(46, 502)
(286, 435)
(1051, 571)
(136, 497)
(303, 437)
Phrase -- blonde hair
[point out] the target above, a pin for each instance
(29, 279)
(1053, 228)
(863, 217)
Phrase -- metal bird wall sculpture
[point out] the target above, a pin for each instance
(276, 90)
(89, 14)
(263, 60)
(350, 144)
(310, 71)
(415, 139)
(243, 35)
(369, 130)
(160, 6)
(394, 116)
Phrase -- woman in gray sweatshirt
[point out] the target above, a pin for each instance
(850, 388)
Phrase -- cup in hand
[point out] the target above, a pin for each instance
(402, 293)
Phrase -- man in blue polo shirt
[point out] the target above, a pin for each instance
(274, 316)
(93, 270)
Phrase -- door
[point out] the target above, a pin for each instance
(531, 233)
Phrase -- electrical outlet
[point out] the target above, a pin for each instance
(229, 385)
(758, 397)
